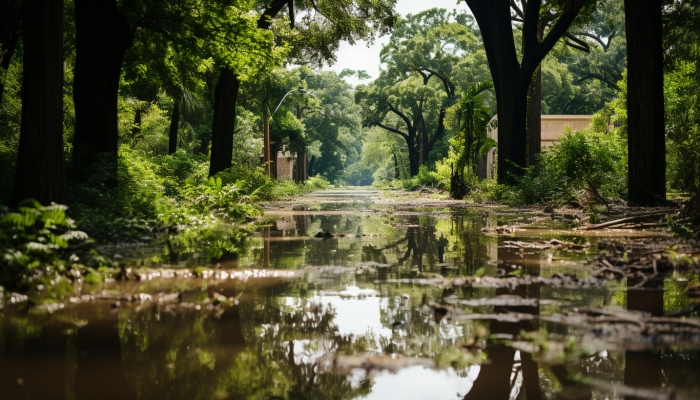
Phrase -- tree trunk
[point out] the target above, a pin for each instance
(645, 103)
(174, 123)
(423, 147)
(301, 167)
(534, 118)
(225, 97)
(10, 17)
(40, 162)
(301, 155)
(413, 157)
(534, 109)
(273, 156)
(310, 167)
(102, 37)
(136, 129)
(397, 172)
(266, 142)
(512, 132)
(511, 77)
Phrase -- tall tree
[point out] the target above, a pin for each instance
(399, 107)
(40, 163)
(102, 37)
(645, 103)
(512, 75)
(221, 29)
(417, 86)
(434, 53)
(313, 40)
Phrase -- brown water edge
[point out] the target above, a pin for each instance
(403, 289)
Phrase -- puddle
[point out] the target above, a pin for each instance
(419, 303)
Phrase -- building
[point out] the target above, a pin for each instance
(552, 128)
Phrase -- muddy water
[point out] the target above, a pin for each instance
(282, 319)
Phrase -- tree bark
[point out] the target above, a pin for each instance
(534, 118)
(225, 97)
(174, 124)
(534, 109)
(397, 172)
(645, 103)
(267, 159)
(102, 37)
(413, 160)
(136, 129)
(40, 162)
(512, 77)
(310, 166)
(273, 157)
(301, 167)
(512, 130)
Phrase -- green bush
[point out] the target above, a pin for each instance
(425, 177)
(317, 183)
(41, 244)
(582, 161)
(251, 181)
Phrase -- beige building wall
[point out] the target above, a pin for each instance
(285, 166)
(552, 128)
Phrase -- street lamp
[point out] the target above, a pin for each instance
(300, 90)
(266, 130)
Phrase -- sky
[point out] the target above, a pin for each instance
(360, 57)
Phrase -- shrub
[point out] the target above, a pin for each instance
(317, 183)
(584, 160)
(40, 244)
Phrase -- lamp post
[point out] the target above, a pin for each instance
(266, 130)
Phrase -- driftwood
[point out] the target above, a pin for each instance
(635, 218)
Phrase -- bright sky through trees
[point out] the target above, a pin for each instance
(360, 57)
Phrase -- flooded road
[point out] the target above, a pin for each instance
(348, 295)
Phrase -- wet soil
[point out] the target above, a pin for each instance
(352, 294)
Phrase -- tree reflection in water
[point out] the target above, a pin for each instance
(498, 378)
(643, 368)
(258, 349)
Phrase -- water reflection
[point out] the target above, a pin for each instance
(269, 342)
(643, 368)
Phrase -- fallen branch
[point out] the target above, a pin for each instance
(621, 221)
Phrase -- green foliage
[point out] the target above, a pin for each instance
(425, 177)
(10, 115)
(584, 161)
(217, 240)
(473, 119)
(40, 244)
(683, 127)
(317, 183)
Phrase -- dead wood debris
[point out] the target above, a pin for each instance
(500, 301)
(500, 230)
(346, 363)
(544, 245)
(653, 216)
(147, 274)
(625, 391)
(625, 331)
(511, 282)
(644, 268)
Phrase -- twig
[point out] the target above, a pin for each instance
(625, 220)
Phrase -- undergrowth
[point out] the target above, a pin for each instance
(586, 166)
(43, 250)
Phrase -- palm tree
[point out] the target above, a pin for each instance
(473, 118)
